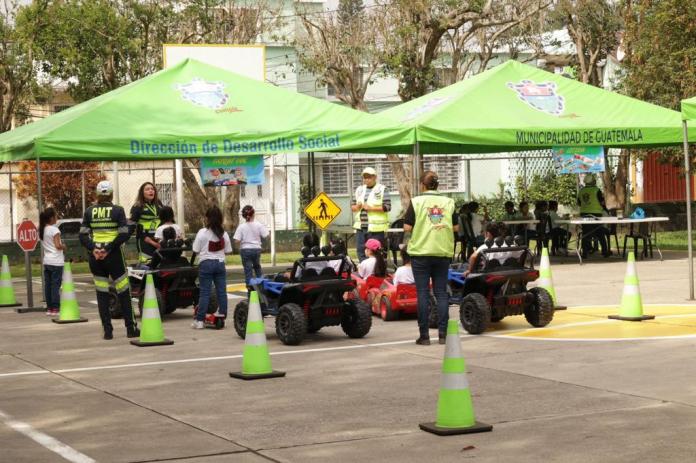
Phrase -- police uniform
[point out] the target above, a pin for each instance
(104, 226)
(431, 247)
(591, 202)
(146, 218)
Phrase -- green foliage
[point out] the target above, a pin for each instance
(305, 198)
(349, 11)
(561, 188)
(495, 204)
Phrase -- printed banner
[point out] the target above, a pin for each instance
(578, 159)
(238, 170)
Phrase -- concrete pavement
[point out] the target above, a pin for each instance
(351, 400)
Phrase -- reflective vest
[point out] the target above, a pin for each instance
(376, 221)
(589, 202)
(149, 219)
(102, 223)
(432, 232)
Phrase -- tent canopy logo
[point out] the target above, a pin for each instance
(542, 97)
(209, 95)
(425, 108)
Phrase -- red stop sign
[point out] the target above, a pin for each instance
(27, 235)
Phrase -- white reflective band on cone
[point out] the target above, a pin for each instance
(150, 292)
(255, 339)
(254, 314)
(631, 269)
(5, 283)
(543, 282)
(452, 347)
(150, 312)
(631, 290)
(68, 295)
(454, 381)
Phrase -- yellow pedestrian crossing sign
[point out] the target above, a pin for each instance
(322, 210)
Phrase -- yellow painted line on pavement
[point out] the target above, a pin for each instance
(592, 324)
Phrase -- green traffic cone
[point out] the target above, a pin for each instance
(256, 362)
(546, 279)
(631, 303)
(151, 333)
(7, 296)
(69, 309)
(455, 411)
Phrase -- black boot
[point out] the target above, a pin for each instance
(132, 332)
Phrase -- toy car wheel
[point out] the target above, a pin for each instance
(291, 324)
(160, 303)
(241, 312)
(219, 323)
(385, 310)
(357, 319)
(114, 305)
(475, 313)
(540, 312)
(433, 317)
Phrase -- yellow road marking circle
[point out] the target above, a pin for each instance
(591, 324)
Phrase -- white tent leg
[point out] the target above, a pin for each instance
(687, 166)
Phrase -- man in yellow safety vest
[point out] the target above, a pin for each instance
(591, 202)
(370, 208)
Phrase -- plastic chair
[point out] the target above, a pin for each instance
(644, 234)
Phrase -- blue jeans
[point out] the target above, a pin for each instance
(426, 268)
(360, 238)
(211, 271)
(53, 277)
(251, 261)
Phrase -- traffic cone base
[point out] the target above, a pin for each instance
(164, 342)
(631, 319)
(62, 322)
(256, 361)
(249, 377)
(440, 431)
(16, 304)
(151, 333)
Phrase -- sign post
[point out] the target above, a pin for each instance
(27, 239)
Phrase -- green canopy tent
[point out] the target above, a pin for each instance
(688, 111)
(514, 106)
(194, 110)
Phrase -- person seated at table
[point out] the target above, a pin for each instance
(478, 222)
(591, 202)
(559, 235)
(465, 233)
(510, 212)
(404, 274)
(527, 230)
(543, 229)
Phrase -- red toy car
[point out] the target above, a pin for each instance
(366, 289)
(392, 301)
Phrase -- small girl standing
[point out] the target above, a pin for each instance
(248, 237)
(53, 260)
(211, 245)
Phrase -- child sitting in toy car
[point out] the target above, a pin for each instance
(375, 263)
(404, 274)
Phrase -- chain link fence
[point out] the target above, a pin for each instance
(464, 177)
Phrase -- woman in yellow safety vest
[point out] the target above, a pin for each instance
(430, 218)
(145, 215)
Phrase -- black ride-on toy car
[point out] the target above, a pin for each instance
(497, 288)
(175, 279)
(311, 298)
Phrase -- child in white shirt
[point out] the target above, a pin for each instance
(166, 216)
(53, 259)
(404, 274)
(375, 263)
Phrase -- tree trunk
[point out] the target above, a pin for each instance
(231, 207)
(403, 176)
(615, 186)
